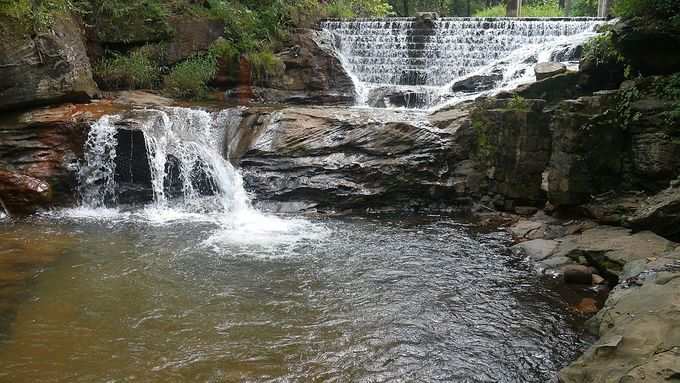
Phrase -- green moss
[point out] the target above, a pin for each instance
(485, 150)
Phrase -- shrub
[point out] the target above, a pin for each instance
(548, 8)
(340, 9)
(584, 8)
(518, 103)
(136, 71)
(600, 50)
(656, 9)
(265, 64)
(189, 78)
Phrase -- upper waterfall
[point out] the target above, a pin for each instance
(423, 60)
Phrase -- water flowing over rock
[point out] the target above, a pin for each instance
(425, 59)
(178, 155)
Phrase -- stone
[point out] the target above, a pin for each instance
(645, 45)
(537, 249)
(191, 35)
(659, 213)
(525, 210)
(598, 280)
(548, 69)
(587, 306)
(43, 68)
(577, 274)
(345, 159)
(477, 83)
(312, 73)
(21, 194)
(383, 97)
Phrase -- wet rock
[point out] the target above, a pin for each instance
(548, 69)
(587, 306)
(43, 68)
(384, 97)
(477, 83)
(525, 210)
(339, 158)
(21, 194)
(537, 249)
(553, 89)
(598, 280)
(45, 144)
(577, 274)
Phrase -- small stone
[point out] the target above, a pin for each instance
(525, 210)
(587, 306)
(577, 274)
(598, 280)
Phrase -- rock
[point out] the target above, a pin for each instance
(586, 306)
(639, 330)
(192, 35)
(426, 19)
(509, 138)
(384, 97)
(645, 45)
(312, 73)
(659, 213)
(525, 210)
(611, 248)
(477, 83)
(43, 68)
(548, 69)
(45, 144)
(553, 89)
(21, 194)
(598, 280)
(577, 274)
(342, 159)
(537, 249)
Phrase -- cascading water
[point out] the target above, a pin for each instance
(97, 185)
(420, 62)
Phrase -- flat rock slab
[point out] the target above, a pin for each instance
(537, 249)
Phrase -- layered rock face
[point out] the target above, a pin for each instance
(338, 158)
(46, 67)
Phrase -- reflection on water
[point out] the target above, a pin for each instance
(364, 299)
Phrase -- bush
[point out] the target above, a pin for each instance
(340, 9)
(264, 64)
(655, 9)
(189, 78)
(600, 50)
(139, 70)
(584, 8)
(549, 8)
(518, 103)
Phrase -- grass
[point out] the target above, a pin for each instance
(138, 70)
(189, 79)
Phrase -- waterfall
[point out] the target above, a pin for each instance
(185, 162)
(97, 186)
(420, 62)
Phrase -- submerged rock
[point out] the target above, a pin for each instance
(21, 194)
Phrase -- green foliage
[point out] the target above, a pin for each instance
(626, 115)
(668, 88)
(583, 8)
(548, 8)
(225, 50)
(189, 79)
(666, 10)
(600, 50)
(340, 9)
(265, 64)
(139, 70)
(36, 15)
(518, 103)
(495, 11)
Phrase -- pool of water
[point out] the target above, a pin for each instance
(355, 299)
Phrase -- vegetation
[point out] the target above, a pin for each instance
(583, 8)
(600, 50)
(189, 79)
(518, 103)
(668, 88)
(668, 10)
(139, 70)
(264, 64)
(547, 8)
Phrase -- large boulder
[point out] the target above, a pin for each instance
(477, 83)
(46, 67)
(648, 45)
(191, 35)
(331, 158)
(21, 194)
(548, 69)
(312, 73)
